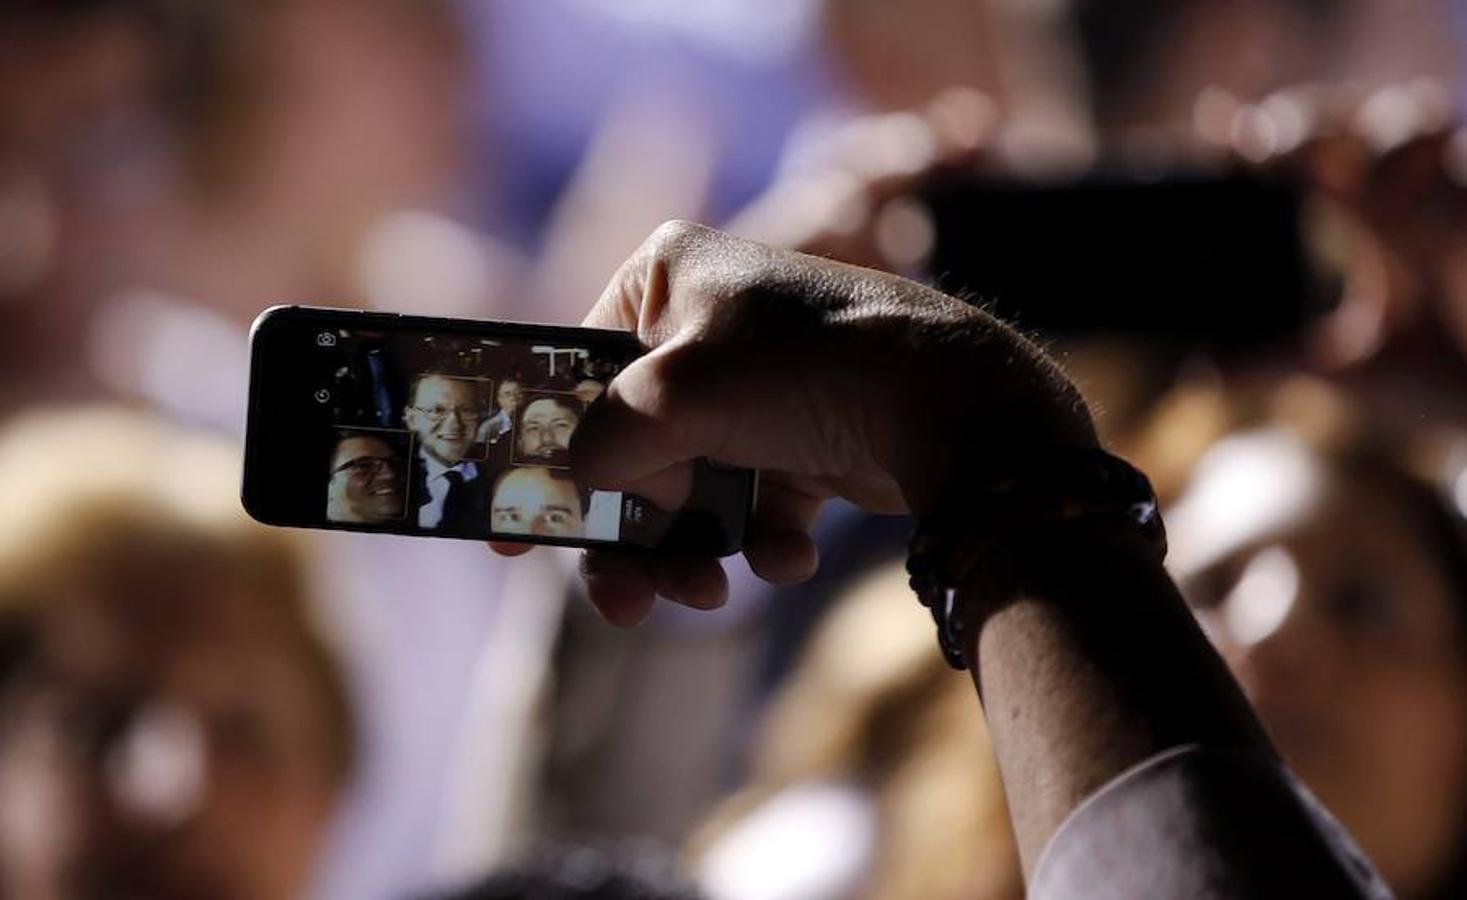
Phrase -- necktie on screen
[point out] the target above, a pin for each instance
(454, 500)
(455, 480)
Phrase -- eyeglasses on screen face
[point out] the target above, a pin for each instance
(369, 466)
(437, 414)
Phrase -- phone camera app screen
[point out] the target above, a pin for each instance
(463, 435)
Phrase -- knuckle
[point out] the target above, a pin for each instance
(675, 268)
(675, 238)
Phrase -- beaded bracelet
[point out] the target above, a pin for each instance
(1055, 491)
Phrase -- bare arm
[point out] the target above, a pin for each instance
(835, 380)
(1091, 667)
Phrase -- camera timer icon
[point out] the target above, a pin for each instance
(325, 339)
(323, 396)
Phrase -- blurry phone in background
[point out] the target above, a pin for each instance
(1215, 261)
(452, 428)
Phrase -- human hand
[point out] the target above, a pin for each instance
(851, 197)
(1388, 171)
(832, 380)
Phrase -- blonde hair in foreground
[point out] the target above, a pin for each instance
(873, 704)
(96, 496)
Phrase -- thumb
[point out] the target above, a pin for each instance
(643, 433)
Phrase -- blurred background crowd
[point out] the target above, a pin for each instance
(193, 706)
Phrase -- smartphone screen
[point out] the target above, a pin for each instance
(451, 428)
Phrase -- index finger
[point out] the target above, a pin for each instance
(676, 281)
(637, 294)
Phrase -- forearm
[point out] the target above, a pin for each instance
(897, 398)
(1089, 666)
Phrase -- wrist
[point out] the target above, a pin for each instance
(1043, 523)
(1058, 570)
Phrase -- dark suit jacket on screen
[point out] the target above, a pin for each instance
(465, 510)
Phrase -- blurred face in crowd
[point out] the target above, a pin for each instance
(1336, 615)
(536, 500)
(546, 428)
(165, 742)
(508, 397)
(897, 55)
(444, 414)
(588, 390)
(84, 157)
(366, 482)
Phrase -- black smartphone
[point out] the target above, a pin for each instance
(1216, 260)
(378, 422)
